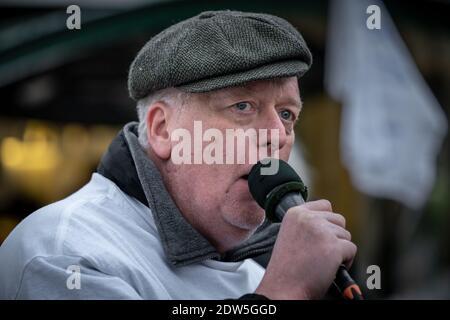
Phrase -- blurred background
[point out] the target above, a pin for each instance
(372, 136)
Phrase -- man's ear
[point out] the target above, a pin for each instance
(158, 133)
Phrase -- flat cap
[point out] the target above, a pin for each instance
(218, 49)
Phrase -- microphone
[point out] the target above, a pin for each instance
(278, 192)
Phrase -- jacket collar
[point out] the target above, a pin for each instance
(128, 166)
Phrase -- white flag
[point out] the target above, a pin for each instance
(392, 125)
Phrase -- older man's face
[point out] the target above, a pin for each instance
(215, 198)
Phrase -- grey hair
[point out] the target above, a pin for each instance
(170, 96)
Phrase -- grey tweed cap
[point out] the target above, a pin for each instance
(218, 49)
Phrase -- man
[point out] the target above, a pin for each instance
(147, 227)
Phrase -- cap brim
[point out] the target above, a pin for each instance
(274, 70)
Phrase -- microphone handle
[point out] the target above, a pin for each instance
(348, 288)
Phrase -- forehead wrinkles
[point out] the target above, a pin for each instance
(277, 87)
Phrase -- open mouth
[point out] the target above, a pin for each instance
(245, 177)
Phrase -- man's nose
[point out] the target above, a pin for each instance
(276, 136)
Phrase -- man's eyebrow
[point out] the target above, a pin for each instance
(239, 92)
(294, 102)
(242, 91)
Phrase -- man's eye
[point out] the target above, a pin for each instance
(287, 115)
(243, 106)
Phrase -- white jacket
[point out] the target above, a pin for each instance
(100, 243)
